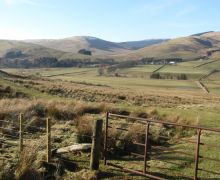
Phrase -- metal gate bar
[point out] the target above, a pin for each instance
(148, 122)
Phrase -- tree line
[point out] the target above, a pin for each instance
(50, 62)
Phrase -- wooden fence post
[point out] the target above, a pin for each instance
(197, 155)
(20, 133)
(48, 140)
(106, 139)
(146, 146)
(96, 145)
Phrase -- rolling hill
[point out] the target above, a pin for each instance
(31, 51)
(189, 47)
(28, 49)
(134, 45)
(201, 45)
(96, 45)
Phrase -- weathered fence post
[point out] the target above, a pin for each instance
(96, 145)
(106, 139)
(146, 146)
(197, 154)
(48, 140)
(20, 133)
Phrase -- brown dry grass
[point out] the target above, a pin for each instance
(84, 174)
(84, 125)
(162, 98)
(27, 166)
(57, 109)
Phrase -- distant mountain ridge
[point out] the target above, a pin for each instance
(202, 45)
(96, 45)
(202, 33)
(189, 47)
(134, 45)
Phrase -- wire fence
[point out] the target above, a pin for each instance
(25, 132)
(15, 135)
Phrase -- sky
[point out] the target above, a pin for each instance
(114, 20)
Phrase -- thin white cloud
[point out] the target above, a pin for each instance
(12, 2)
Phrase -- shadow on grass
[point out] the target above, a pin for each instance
(107, 175)
(68, 164)
(176, 160)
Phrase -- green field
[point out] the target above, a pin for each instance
(71, 90)
(87, 79)
(136, 77)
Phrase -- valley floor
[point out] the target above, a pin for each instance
(82, 92)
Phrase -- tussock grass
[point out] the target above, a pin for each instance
(59, 110)
(27, 166)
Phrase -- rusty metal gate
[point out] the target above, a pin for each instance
(149, 149)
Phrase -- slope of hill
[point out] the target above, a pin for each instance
(96, 45)
(202, 33)
(74, 44)
(31, 51)
(141, 44)
(190, 47)
(4, 74)
(185, 47)
(27, 49)
(214, 37)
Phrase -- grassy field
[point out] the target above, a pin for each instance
(158, 91)
(87, 79)
(71, 93)
(138, 78)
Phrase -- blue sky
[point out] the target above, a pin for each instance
(115, 20)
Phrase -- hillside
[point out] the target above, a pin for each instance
(96, 45)
(202, 45)
(74, 44)
(31, 51)
(141, 44)
(214, 37)
(27, 49)
(185, 47)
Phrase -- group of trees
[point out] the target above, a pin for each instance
(25, 63)
(159, 60)
(13, 53)
(181, 76)
(16, 59)
(85, 52)
(47, 62)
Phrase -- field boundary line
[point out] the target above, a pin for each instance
(159, 68)
(67, 73)
(209, 74)
(205, 63)
(202, 86)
